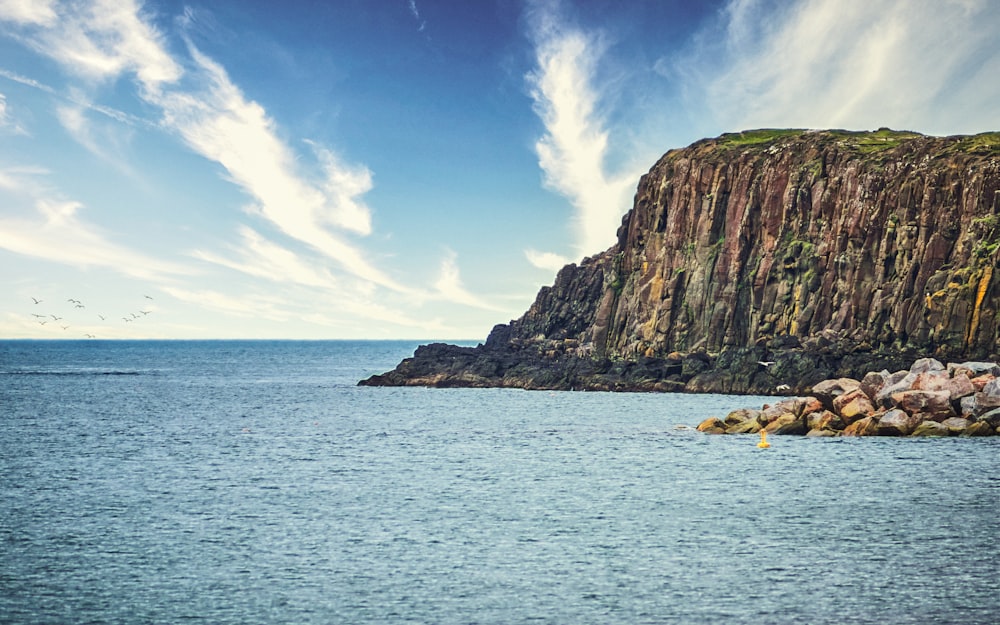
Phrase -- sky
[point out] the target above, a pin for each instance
(411, 169)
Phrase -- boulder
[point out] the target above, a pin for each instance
(968, 406)
(813, 419)
(935, 403)
(992, 417)
(820, 433)
(897, 383)
(771, 413)
(980, 381)
(974, 369)
(873, 382)
(979, 428)
(931, 428)
(956, 425)
(957, 387)
(786, 424)
(827, 390)
(927, 364)
(830, 421)
(792, 405)
(712, 425)
(986, 401)
(867, 426)
(989, 397)
(810, 404)
(750, 426)
(853, 405)
(739, 416)
(897, 422)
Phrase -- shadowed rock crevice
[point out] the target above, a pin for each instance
(825, 253)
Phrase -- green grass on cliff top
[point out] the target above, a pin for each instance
(866, 142)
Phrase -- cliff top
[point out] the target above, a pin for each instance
(883, 140)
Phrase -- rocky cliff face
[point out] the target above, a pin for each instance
(824, 253)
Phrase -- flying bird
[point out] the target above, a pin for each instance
(37, 301)
(147, 297)
(38, 316)
(54, 318)
(101, 316)
(765, 363)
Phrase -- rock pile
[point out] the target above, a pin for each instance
(931, 399)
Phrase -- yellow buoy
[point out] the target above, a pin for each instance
(763, 444)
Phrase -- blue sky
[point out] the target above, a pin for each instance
(403, 168)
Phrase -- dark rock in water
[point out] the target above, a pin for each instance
(992, 417)
(786, 424)
(712, 425)
(931, 428)
(745, 266)
(867, 426)
(979, 428)
(956, 425)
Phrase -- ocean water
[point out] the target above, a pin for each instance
(254, 482)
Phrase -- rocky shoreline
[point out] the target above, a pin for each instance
(928, 399)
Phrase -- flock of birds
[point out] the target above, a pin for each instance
(77, 304)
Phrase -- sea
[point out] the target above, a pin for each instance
(253, 482)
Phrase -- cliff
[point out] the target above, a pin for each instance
(763, 260)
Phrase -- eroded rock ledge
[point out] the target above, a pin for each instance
(822, 254)
(928, 399)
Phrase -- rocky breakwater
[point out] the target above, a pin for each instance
(763, 260)
(928, 399)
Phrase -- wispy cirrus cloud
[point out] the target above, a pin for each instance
(573, 151)
(923, 65)
(6, 122)
(449, 285)
(28, 11)
(415, 12)
(259, 257)
(45, 225)
(106, 39)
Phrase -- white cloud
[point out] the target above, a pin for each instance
(106, 143)
(52, 230)
(108, 38)
(221, 125)
(858, 64)
(27, 11)
(573, 150)
(415, 12)
(103, 39)
(546, 260)
(8, 124)
(258, 257)
(449, 285)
